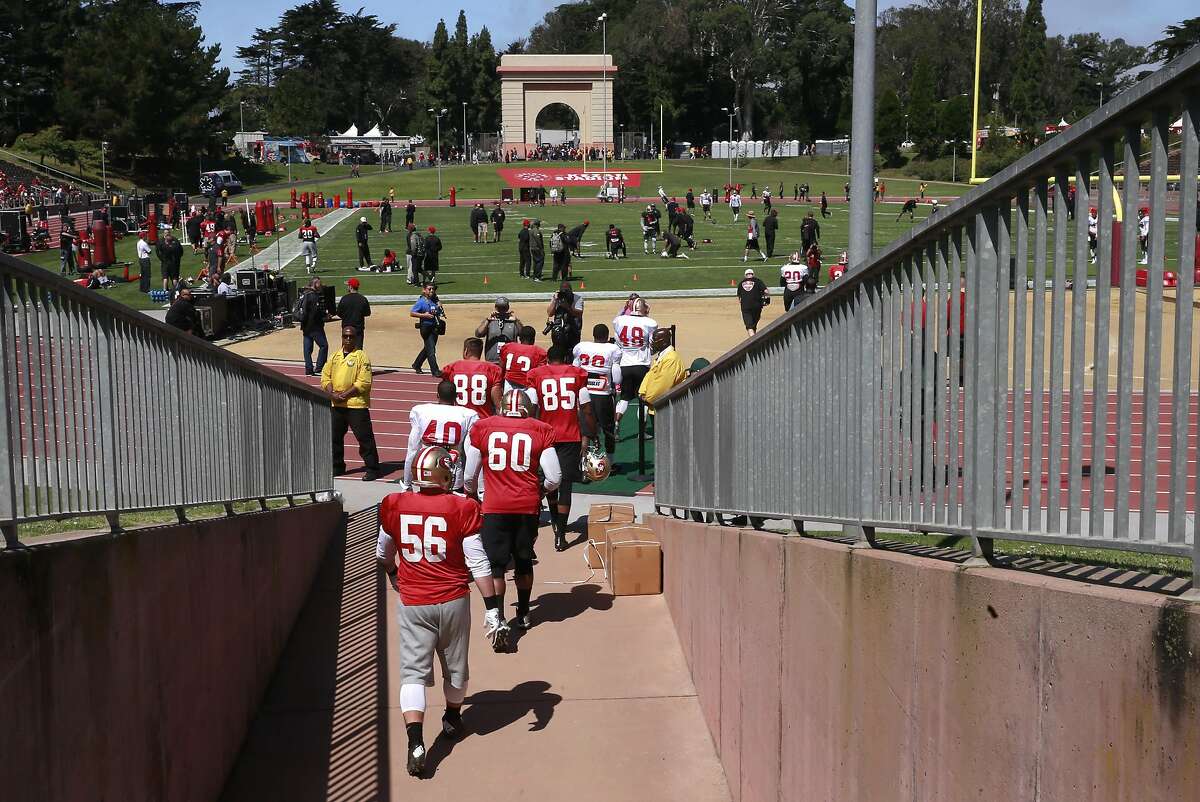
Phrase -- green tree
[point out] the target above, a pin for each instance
(1027, 96)
(954, 120)
(922, 116)
(889, 127)
(485, 93)
(49, 142)
(1177, 39)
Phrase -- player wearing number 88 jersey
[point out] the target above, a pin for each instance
(429, 547)
(442, 424)
(477, 382)
(508, 449)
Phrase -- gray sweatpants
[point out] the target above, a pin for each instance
(426, 629)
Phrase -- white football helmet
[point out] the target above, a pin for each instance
(596, 465)
(433, 469)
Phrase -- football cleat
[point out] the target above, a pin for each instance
(522, 622)
(500, 638)
(416, 760)
(453, 728)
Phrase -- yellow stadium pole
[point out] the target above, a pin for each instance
(975, 112)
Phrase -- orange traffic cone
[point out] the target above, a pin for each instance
(732, 283)
(581, 285)
(635, 276)
(485, 280)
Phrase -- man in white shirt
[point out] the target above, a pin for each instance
(225, 287)
(143, 257)
(706, 205)
(735, 205)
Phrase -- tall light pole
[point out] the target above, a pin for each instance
(1100, 86)
(464, 154)
(242, 116)
(103, 168)
(862, 133)
(603, 20)
(731, 115)
(438, 115)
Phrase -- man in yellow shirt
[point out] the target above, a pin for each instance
(347, 379)
(666, 372)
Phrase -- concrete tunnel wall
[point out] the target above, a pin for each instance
(131, 665)
(826, 673)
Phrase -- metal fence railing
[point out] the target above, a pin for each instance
(996, 372)
(107, 411)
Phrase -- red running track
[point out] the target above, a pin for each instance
(394, 392)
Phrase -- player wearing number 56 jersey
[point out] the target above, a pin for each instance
(477, 382)
(508, 449)
(517, 359)
(429, 548)
(442, 424)
(602, 361)
(561, 392)
(634, 332)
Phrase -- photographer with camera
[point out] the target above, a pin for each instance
(498, 328)
(565, 313)
(431, 323)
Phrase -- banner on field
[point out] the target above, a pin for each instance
(558, 176)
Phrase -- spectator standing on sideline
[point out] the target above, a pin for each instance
(414, 250)
(430, 323)
(311, 318)
(498, 216)
(66, 249)
(385, 216)
(347, 379)
(735, 205)
(479, 223)
(824, 204)
(429, 263)
(752, 295)
(752, 231)
(354, 309)
(769, 227)
(810, 232)
(690, 200)
(497, 329)
(410, 214)
(523, 258)
(182, 314)
(361, 237)
(170, 254)
(537, 249)
(143, 257)
(561, 253)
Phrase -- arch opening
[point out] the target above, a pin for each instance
(557, 124)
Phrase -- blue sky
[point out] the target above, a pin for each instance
(228, 23)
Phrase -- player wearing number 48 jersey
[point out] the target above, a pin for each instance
(477, 382)
(561, 392)
(602, 361)
(517, 359)
(435, 536)
(634, 331)
(508, 449)
(442, 424)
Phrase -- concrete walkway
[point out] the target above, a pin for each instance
(596, 703)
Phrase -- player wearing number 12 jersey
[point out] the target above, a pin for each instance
(517, 359)
(560, 389)
(477, 382)
(602, 361)
(442, 424)
(634, 332)
(434, 534)
(508, 449)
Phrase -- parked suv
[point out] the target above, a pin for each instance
(214, 181)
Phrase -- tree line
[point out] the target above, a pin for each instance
(139, 74)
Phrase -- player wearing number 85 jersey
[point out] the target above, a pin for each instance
(434, 535)
(508, 449)
(477, 382)
(561, 392)
(442, 424)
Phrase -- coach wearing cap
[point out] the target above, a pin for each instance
(498, 328)
(753, 295)
(354, 309)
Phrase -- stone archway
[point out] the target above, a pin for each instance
(528, 84)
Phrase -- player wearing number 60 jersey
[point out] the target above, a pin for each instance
(634, 332)
(434, 534)
(477, 382)
(517, 359)
(442, 424)
(602, 361)
(508, 449)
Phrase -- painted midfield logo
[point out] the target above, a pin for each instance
(531, 176)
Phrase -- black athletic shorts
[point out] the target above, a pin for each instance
(509, 536)
(570, 454)
(631, 380)
(750, 318)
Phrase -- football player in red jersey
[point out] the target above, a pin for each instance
(562, 394)
(517, 359)
(435, 535)
(477, 382)
(509, 448)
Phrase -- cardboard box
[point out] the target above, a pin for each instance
(627, 533)
(635, 569)
(602, 517)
